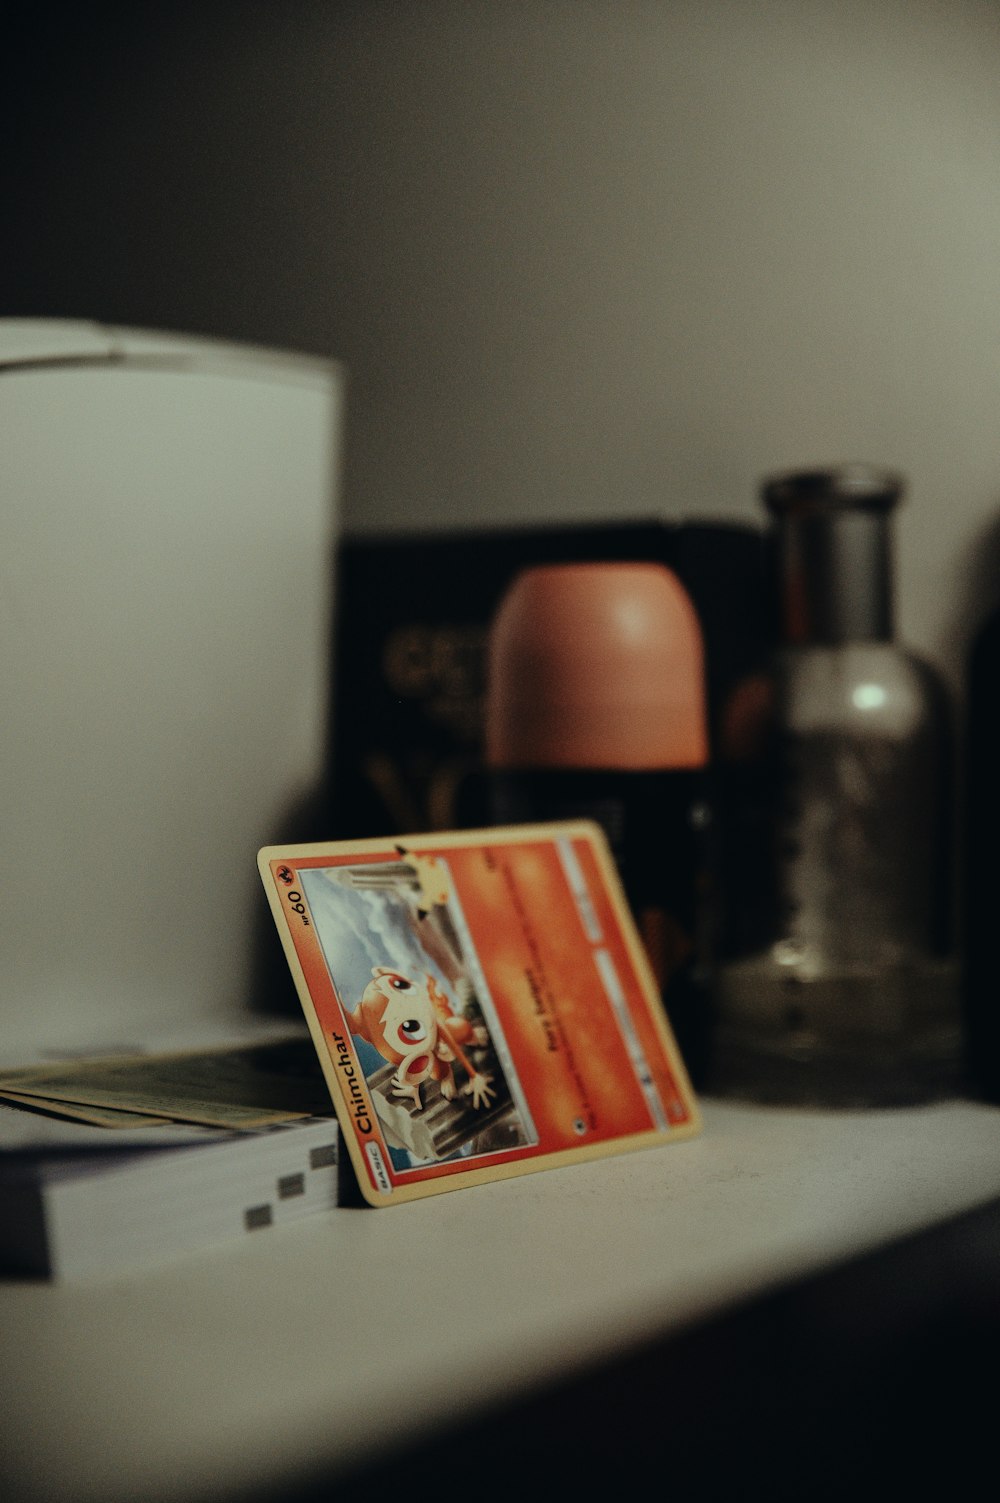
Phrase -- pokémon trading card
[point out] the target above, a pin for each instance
(480, 1002)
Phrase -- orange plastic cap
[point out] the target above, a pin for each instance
(596, 666)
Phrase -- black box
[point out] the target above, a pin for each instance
(412, 616)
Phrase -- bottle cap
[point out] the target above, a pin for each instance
(844, 487)
(596, 665)
(832, 551)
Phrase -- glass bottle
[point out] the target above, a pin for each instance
(854, 1000)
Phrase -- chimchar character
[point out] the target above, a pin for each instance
(412, 1026)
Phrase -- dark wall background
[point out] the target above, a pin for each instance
(582, 258)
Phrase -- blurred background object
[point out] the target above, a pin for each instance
(581, 261)
(169, 515)
(853, 1000)
(414, 612)
(981, 865)
(596, 708)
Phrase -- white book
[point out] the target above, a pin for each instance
(71, 1212)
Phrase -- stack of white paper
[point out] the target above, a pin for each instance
(113, 1160)
(70, 1208)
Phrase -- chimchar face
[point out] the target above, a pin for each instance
(397, 1015)
(400, 1015)
(412, 1026)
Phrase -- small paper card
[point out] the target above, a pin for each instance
(241, 1089)
(480, 1002)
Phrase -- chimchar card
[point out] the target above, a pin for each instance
(480, 1002)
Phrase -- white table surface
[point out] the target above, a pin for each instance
(263, 1360)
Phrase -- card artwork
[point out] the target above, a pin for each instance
(480, 1002)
